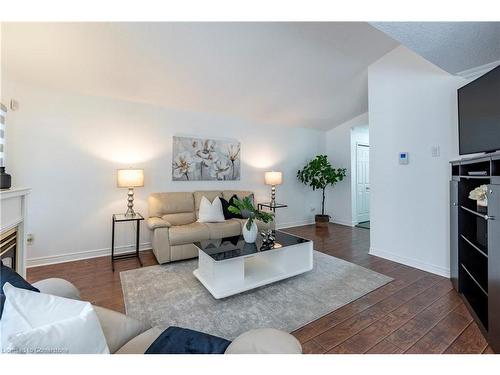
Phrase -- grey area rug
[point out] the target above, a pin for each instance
(169, 294)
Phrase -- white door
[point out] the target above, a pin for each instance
(362, 182)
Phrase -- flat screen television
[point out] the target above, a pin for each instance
(479, 114)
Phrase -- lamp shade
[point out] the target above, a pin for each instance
(127, 178)
(273, 178)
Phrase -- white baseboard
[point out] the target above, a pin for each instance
(437, 270)
(87, 254)
(342, 222)
(291, 224)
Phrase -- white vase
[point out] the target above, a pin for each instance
(250, 235)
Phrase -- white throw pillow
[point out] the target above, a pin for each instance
(42, 323)
(210, 212)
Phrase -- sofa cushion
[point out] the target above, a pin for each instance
(170, 203)
(211, 212)
(229, 228)
(189, 233)
(118, 328)
(177, 340)
(43, 323)
(182, 218)
(225, 208)
(240, 194)
(210, 195)
(8, 275)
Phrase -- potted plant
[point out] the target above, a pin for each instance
(245, 206)
(480, 195)
(318, 174)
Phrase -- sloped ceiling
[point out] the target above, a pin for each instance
(455, 47)
(292, 74)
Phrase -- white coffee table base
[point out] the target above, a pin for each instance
(232, 276)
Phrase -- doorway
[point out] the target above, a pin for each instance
(362, 185)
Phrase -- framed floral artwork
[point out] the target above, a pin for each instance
(203, 159)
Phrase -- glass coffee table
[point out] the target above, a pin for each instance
(229, 266)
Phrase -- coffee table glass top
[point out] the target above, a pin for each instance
(233, 247)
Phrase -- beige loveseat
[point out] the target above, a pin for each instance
(173, 220)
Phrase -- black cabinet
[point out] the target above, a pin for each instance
(454, 233)
(475, 241)
(494, 266)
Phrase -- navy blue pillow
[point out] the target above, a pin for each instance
(225, 208)
(8, 275)
(176, 340)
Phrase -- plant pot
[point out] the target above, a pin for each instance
(322, 220)
(250, 235)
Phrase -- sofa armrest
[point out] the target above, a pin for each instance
(118, 328)
(157, 222)
(141, 343)
(265, 341)
(58, 287)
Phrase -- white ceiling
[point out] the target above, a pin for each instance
(454, 46)
(294, 74)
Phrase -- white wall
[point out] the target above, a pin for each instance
(412, 107)
(339, 148)
(67, 146)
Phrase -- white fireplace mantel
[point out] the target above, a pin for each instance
(13, 210)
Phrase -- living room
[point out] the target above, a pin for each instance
(245, 187)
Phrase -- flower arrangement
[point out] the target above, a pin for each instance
(479, 195)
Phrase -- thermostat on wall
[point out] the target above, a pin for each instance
(403, 158)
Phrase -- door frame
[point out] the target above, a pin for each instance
(355, 198)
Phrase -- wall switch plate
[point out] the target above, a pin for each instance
(403, 158)
(435, 151)
(14, 105)
(30, 239)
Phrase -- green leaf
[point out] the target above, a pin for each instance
(319, 173)
(246, 205)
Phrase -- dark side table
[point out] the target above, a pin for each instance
(120, 218)
(271, 206)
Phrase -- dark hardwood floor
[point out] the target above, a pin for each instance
(417, 312)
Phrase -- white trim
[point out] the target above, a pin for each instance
(354, 190)
(80, 255)
(415, 263)
(343, 222)
(291, 224)
(478, 70)
(14, 192)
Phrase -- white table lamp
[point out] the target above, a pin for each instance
(273, 179)
(130, 178)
